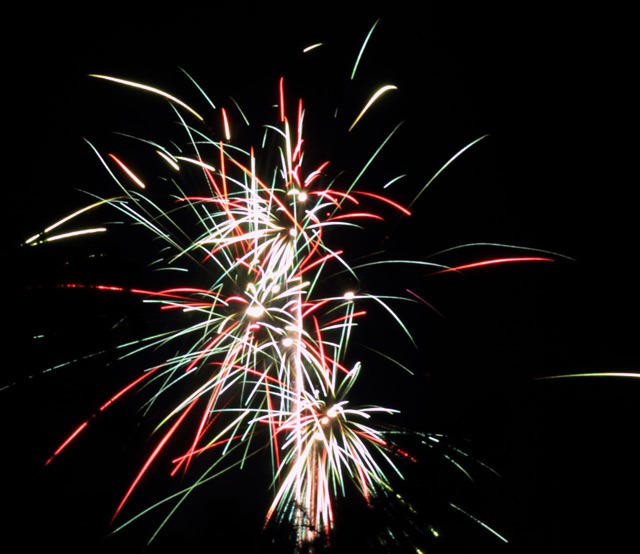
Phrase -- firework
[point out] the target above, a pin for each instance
(266, 358)
(260, 322)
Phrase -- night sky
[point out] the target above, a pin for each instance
(555, 91)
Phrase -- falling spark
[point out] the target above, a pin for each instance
(371, 101)
(150, 89)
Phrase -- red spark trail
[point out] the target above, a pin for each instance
(492, 262)
(153, 456)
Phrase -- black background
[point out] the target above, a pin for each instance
(553, 87)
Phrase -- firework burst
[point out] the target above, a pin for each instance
(254, 354)
(266, 363)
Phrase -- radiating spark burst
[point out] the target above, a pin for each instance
(266, 360)
(266, 357)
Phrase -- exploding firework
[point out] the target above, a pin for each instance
(265, 363)
(262, 347)
(260, 316)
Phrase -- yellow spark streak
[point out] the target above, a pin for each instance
(169, 160)
(149, 89)
(380, 92)
(605, 374)
(76, 233)
(64, 220)
(196, 162)
(313, 46)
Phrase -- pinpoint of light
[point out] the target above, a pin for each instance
(349, 295)
(324, 420)
(293, 231)
(302, 196)
(332, 412)
(255, 310)
(287, 342)
(275, 289)
(318, 436)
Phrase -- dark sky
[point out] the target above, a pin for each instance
(553, 88)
